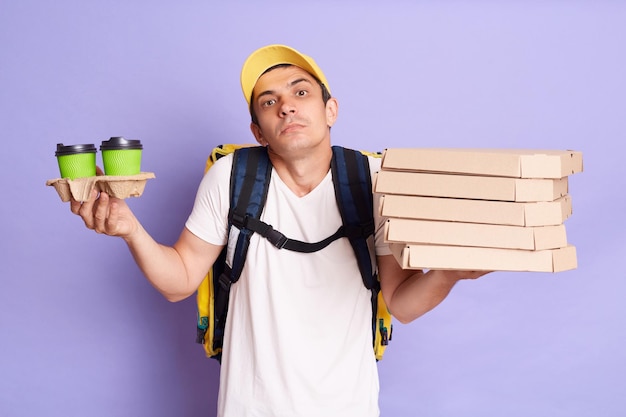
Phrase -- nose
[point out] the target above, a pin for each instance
(287, 108)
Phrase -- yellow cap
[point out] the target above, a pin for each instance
(268, 56)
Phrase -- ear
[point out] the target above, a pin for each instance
(332, 111)
(258, 134)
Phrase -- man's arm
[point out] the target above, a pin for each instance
(410, 294)
(176, 272)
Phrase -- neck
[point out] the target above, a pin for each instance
(304, 171)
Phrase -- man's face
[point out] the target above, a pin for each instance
(290, 110)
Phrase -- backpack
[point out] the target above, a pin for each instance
(248, 190)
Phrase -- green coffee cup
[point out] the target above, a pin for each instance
(76, 161)
(121, 156)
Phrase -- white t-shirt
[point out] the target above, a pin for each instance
(298, 338)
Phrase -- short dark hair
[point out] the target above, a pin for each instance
(325, 93)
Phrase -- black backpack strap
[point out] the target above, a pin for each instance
(249, 181)
(281, 241)
(353, 191)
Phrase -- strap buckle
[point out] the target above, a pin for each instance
(275, 237)
(237, 219)
(224, 281)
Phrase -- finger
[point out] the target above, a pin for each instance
(85, 209)
(99, 171)
(478, 274)
(100, 213)
(76, 205)
(112, 224)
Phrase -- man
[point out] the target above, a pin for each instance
(298, 336)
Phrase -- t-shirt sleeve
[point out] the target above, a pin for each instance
(382, 248)
(209, 216)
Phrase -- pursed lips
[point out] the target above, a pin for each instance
(291, 127)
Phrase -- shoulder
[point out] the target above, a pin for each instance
(221, 166)
(217, 177)
(374, 161)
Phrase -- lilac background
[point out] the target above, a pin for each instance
(82, 333)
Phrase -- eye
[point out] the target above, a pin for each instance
(301, 93)
(268, 103)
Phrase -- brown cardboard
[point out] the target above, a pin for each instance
(477, 211)
(470, 186)
(115, 186)
(474, 234)
(513, 163)
(484, 259)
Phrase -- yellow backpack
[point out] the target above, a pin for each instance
(351, 178)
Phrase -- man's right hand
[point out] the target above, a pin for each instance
(106, 214)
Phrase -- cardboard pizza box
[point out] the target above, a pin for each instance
(545, 213)
(470, 186)
(484, 259)
(398, 230)
(515, 163)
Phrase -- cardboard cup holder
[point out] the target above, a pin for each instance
(115, 186)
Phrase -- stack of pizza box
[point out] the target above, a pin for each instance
(478, 209)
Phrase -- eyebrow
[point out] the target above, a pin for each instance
(290, 85)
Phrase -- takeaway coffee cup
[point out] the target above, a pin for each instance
(121, 156)
(76, 161)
